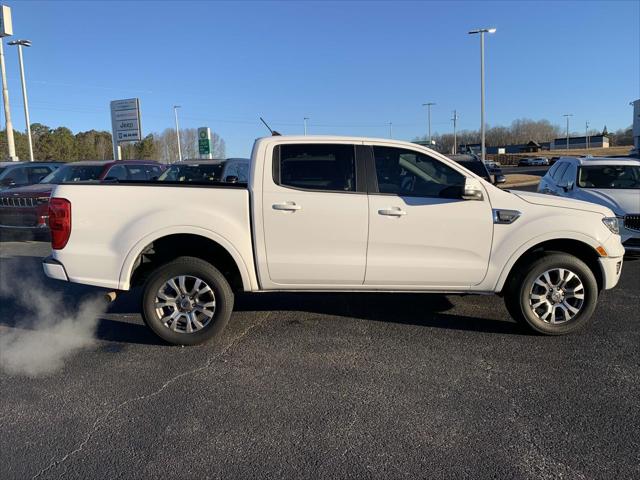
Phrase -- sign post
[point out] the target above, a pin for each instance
(125, 123)
(204, 143)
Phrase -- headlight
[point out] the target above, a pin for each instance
(612, 224)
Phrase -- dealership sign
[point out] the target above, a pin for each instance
(125, 120)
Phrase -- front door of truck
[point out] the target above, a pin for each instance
(421, 233)
(315, 216)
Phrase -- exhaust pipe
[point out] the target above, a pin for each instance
(110, 296)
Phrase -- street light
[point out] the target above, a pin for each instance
(305, 125)
(20, 44)
(482, 31)
(455, 139)
(390, 129)
(175, 112)
(428, 105)
(567, 115)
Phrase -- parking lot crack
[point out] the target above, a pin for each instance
(99, 422)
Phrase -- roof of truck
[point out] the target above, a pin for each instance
(603, 160)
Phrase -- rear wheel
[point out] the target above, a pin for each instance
(187, 301)
(553, 295)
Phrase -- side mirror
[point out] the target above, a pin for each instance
(231, 179)
(472, 190)
(498, 179)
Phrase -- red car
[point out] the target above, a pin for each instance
(26, 208)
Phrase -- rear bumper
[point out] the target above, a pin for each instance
(611, 268)
(54, 269)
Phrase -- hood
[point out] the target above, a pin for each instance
(621, 201)
(561, 202)
(38, 189)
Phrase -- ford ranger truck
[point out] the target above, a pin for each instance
(334, 214)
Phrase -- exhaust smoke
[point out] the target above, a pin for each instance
(47, 328)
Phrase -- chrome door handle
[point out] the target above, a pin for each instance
(287, 206)
(392, 212)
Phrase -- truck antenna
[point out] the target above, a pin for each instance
(273, 132)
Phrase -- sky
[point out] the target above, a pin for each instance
(350, 67)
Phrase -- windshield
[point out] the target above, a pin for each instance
(192, 173)
(2, 169)
(74, 173)
(609, 176)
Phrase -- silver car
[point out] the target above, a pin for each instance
(612, 182)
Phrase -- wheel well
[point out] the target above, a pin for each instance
(168, 248)
(578, 249)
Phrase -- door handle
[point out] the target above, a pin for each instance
(286, 207)
(392, 212)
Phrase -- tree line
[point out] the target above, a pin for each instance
(63, 145)
(522, 131)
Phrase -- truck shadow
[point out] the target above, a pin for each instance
(422, 309)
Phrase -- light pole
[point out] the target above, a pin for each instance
(305, 125)
(428, 105)
(390, 129)
(586, 133)
(482, 31)
(7, 109)
(175, 112)
(567, 115)
(455, 139)
(20, 44)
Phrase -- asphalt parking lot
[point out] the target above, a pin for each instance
(309, 386)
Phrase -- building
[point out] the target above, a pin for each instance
(636, 128)
(595, 141)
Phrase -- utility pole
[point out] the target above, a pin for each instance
(586, 133)
(7, 109)
(428, 105)
(455, 138)
(482, 31)
(390, 130)
(567, 115)
(175, 112)
(305, 125)
(25, 101)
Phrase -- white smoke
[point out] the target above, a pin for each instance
(44, 330)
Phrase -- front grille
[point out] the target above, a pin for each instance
(632, 222)
(20, 202)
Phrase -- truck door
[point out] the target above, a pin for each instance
(315, 215)
(421, 233)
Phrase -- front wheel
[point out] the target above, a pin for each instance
(187, 301)
(553, 295)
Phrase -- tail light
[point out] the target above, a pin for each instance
(59, 222)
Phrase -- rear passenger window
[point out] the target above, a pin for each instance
(317, 167)
(137, 172)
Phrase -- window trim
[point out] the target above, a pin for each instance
(359, 169)
(373, 175)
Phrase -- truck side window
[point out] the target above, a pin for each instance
(38, 173)
(409, 173)
(318, 167)
(118, 172)
(136, 172)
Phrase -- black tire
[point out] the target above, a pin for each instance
(517, 294)
(192, 268)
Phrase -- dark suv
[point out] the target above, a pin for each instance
(26, 208)
(19, 174)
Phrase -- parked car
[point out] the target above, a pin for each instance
(18, 174)
(334, 214)
(612, 182)
(26, 208)
(480, 168)
(231, 170)
(533, 162)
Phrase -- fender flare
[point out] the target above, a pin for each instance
(127, 267)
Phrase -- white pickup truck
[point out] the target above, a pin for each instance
(334, 214)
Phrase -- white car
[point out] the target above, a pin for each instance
(331, 214)
(533, 162)
(611, 182)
